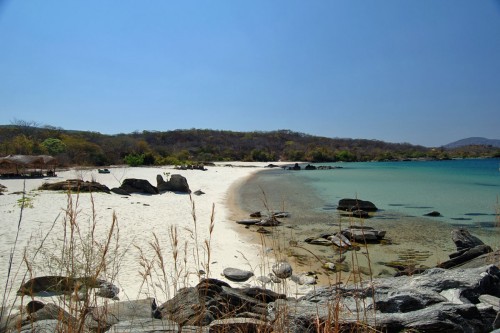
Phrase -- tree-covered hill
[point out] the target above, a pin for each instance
(204, 145)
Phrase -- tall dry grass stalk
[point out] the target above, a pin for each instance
(79, 254)
(163, 274)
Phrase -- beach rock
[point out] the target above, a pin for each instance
(304, 279)
(340, 240)
(133, 185)
(44, 326)
(282, 269)
(280, 215)
(464, 240)
(176, 183)
(356, 204)
(198, 192)
(363, 235)
(318, 241)
(310, 167)
(466, 256)
(212, 300)
(237, 275)
(268, 222)
(482, 260)
(433, 214)
(248, 221)
(53, 285)
(2, 189)
(75, 185)
(239, 325)
(438, 300)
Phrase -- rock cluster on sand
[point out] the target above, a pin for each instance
(75, 185)
(176, 183)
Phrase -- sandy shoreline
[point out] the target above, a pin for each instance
(139, 216)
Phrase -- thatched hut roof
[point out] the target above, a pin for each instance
(28, 160)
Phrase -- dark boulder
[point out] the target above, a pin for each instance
(176, 183)
(464, 240)
(356, 204)
(75, 185)
(133, 185)
(468, 255)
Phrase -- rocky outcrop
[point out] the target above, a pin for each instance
(438, 300)
(176, 183)
(351, 205)
(214, 300)
(75, 185)
(345, 237)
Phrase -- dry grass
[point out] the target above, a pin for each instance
(82, 252)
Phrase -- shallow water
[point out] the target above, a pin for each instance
(465, 193)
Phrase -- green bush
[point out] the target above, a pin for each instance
(134, 160)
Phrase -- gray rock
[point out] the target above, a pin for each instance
(467, 255)
(464, 240)
(44, 326)
(490, 300)
(361, 235)
(340, 240)
(268, 222)
(304, 279)
(237, 275)
(319, 241)
(282, 269)
(420, 303)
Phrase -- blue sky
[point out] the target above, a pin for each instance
(420, 71)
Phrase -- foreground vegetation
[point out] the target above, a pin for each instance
(202, 145)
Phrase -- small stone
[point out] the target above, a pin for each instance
(237, 275)
(282, 269)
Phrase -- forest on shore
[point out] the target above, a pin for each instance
(196, 146)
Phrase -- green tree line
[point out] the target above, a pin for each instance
(193, 146)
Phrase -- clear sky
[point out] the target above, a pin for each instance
(419, 71)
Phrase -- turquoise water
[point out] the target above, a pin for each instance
(464, 191)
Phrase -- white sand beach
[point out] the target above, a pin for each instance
(139, 216)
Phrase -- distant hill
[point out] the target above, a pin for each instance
(474, 141)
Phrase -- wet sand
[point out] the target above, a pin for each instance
(424, 241)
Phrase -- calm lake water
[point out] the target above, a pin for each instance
(465, 192)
